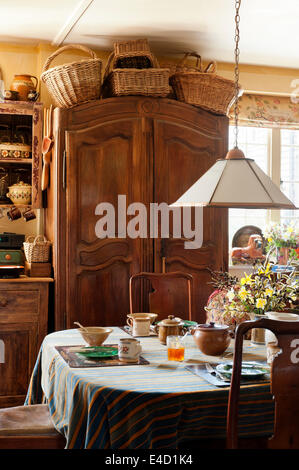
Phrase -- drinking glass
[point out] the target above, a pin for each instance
(175, 348)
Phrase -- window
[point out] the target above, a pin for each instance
(276, 151)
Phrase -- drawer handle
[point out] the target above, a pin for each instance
(3, 301)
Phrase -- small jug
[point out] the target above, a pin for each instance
(23, 84)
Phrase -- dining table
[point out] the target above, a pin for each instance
(155, 404)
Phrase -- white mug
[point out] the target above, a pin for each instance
(129, 350)
(140, 325)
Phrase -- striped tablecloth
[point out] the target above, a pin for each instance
(154, 406)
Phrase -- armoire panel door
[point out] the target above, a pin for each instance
(103, 162)
(182, 155)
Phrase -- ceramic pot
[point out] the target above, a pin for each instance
(20, 193)
(23, 85)
(212, 339)
(170, 326)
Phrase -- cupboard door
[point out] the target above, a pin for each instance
(103, 162)
(18, 355)
(182, 155)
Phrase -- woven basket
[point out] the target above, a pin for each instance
(147, 82)
(202, 88)
(131, 47)
(37, 249)
(74, 83)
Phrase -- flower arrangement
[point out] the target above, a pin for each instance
(283, 236)
(261, 292)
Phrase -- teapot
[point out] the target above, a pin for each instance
(212, 339)
(169, 326)
(23, 85)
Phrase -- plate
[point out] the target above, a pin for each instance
(249, 369)
(98, 352)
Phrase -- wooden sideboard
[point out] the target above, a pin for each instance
(23, 326)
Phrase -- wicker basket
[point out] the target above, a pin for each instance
(74, 83)
(147, 82)
(131, 47)
(203, 88)
(37, 249)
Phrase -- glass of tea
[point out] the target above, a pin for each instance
(175, 348)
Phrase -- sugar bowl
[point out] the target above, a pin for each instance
(169, 326)
(212, 339)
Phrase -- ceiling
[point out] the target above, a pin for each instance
(269, 33)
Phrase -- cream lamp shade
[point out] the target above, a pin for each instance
(235, 182)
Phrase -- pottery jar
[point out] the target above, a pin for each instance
(212, 339)
(20, 193)
(171, 326)
(23, 84)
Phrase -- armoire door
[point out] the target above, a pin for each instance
(103, 162)
(182, 155)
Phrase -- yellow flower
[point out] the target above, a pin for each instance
(290, 229)
(243, 294)
(270, 239)
(260, 303)
(269, 292)
(246, 280)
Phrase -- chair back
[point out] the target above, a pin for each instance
(170, 295)
(284, 375)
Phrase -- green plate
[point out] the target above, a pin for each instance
(249, 369)
(98, 352)
(190, 324)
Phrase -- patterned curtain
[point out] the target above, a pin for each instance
(267, 111)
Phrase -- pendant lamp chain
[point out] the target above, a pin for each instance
(237, 55)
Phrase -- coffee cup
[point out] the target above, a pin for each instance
(14, 213)
(29, 214)
(140, 325)
(129, 350)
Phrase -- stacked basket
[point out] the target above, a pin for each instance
(202, 87)
(133, 70)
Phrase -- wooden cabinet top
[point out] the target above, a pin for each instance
(26, 279)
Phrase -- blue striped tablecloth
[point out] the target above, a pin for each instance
(154, 406)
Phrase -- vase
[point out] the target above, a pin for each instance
(282, 255)
(258, 334)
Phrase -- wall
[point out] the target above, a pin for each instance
(16, 58)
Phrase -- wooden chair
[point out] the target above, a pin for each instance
(284, 384)
(29, 427)
(171, 293)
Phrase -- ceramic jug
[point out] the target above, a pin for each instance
(23, 84)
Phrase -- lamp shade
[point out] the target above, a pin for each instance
(235, 182)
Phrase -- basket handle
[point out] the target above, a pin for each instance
(192, 54)
(39, 238)
(30, 239)
(64, 48)
(211, 67)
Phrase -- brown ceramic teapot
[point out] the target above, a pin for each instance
(212, 339)
(169, 326)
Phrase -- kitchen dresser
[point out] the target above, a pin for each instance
(150, 150)
(23, 326)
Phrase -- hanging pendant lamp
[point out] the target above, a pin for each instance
(235, 181)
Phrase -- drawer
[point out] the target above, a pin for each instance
(19, 301)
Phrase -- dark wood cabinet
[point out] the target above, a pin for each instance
(23, 326)
(149, 150)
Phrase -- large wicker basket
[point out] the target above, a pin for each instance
(202, 88)
(37, 249)
(131, 81)
(74, 83)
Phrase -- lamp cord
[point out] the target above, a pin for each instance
(237, 55)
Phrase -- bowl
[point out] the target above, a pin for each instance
(95, 335)
(20, 193)
(152, 316)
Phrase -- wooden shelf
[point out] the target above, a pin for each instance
(15, 205)
(16, 160)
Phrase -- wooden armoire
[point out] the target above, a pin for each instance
(150, 150)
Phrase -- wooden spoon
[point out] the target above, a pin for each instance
(47, 151)
(81, 326)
